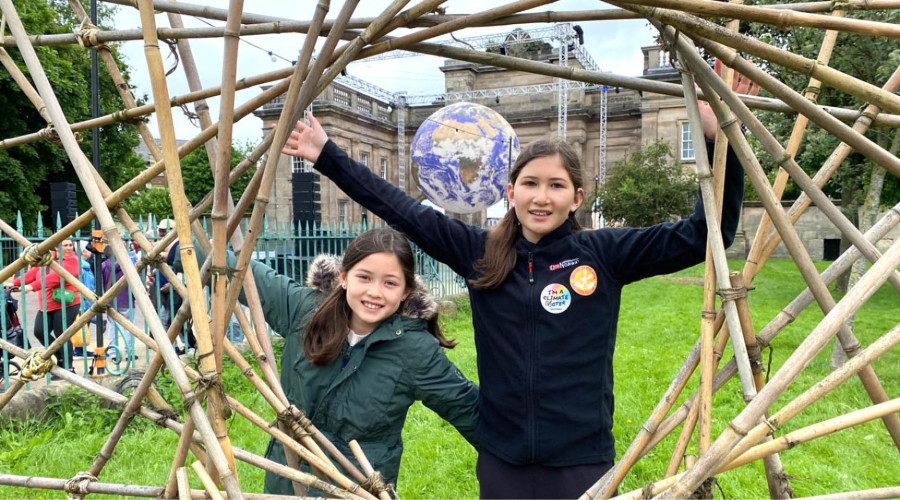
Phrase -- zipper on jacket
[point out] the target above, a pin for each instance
(532, 427)
(530, 268)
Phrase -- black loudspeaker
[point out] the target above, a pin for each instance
(63, 201)
(307, 196)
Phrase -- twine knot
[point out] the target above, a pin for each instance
(375, 483)
(34, 258)
(36, 367)
(207, 383)
(732, 293)
(295, 419)
(77, 487)
(86, 34)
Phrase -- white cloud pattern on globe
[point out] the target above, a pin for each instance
(463, 153)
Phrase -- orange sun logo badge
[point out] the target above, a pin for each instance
(583, 280)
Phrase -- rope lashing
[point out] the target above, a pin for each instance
(732, 293)
(295, 419)
(375, 483)
(77, 487)
(35, 367)
(166, 414)
(33, 258)
(86, 34)
(207, 383)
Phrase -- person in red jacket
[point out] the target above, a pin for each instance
(48, 305)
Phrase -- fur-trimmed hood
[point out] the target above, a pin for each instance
(324, 276)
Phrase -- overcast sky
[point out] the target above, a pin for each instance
(614, 45)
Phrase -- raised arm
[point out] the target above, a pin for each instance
(449, 240)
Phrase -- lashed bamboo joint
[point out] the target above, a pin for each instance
(746, 437)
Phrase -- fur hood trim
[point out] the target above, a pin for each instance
(324, 276)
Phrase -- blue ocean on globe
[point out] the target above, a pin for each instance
(463, 153)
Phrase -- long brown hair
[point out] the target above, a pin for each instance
(500, 252)
(329, 325)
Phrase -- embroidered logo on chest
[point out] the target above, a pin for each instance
(564, 264)
(555, 298)
(583, 280)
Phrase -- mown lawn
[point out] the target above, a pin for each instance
(658, 326)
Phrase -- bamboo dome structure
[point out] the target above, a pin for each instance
(686, 28)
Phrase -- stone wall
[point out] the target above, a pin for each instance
(818, 234)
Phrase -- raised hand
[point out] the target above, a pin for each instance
(306, 141)
(740, 84)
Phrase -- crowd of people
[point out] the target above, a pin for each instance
(60, 302)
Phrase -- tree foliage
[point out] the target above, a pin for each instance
(27, 170)
(647, 187)
(198, 181)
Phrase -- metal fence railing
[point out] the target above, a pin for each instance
(284, 247)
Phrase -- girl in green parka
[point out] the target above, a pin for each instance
(362, 343)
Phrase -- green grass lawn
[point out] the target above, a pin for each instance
(658, 326)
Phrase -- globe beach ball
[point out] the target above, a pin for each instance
(463, 153)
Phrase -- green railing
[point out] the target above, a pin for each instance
(285, 247)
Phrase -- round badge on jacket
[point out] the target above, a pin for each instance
(555, 298)
(583, 280)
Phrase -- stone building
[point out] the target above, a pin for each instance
(365, 124)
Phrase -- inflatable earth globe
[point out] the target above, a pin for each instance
(463, 153)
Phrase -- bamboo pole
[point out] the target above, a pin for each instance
(776, 478)
(303, 82)
(692, 418)
(183, 482)
(181, 451)
(123, 490)
(781, 18)
(208, 484)
(815, 431)
(748, 45)
(781, 320)
(257, 336)
(221, 193)
(83, 169)
(139, 112)
(182, 227)
(812, 94)
(260, 344)
(831, 165)
(456, 24)
(877, 493)
(795, 247)
(164, 421)
(604, 487)
(147, 175)
(797, 361)
(366, 466)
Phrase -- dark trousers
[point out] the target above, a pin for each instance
(500, 479)
(55, 322)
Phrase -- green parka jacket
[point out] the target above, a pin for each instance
(366, 392)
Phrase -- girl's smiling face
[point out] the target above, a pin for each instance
(543, 196)
(375, 288)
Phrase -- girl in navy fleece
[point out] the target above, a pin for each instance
(545, 302)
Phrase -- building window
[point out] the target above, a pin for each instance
(364, 158)
(341, 97)
(364, 106)
(687, 146)
(384, 168)
(300, 165)
(342, 212)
